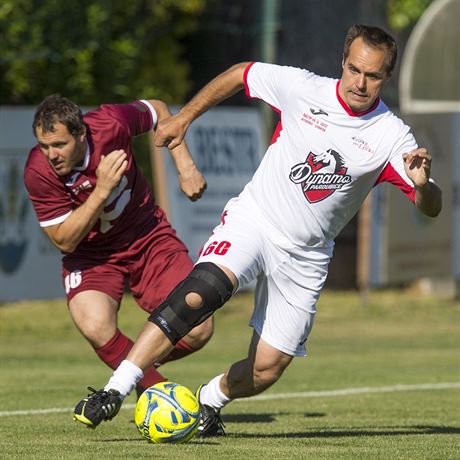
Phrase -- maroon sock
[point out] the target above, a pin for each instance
(181, 349)
(116, 350)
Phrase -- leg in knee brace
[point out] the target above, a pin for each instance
(176, 318)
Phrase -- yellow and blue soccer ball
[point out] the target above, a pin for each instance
(167, 413)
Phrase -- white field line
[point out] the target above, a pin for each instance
(273, 396)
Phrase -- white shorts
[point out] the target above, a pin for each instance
(289, 279)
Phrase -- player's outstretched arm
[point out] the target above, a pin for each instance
(428, 196)
(171, 131)
(191, 181)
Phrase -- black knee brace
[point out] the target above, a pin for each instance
(176, 318)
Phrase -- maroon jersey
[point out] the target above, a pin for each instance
(130, 210)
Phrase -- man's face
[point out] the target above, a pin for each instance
(363, 76)
(62, 150)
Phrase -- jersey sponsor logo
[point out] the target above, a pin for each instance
(86, 185)
(320, 175)
(361, 144)
(318, 111)
(71, 183)
(314, 121)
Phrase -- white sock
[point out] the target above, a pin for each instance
(212, 395)
(124, 378)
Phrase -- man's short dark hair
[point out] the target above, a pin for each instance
(57, 109)
(376, 38)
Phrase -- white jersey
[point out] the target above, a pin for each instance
(325, 159)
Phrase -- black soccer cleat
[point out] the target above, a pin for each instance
(97, 406)
(211, 425)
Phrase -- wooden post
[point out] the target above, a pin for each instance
(364, 249)
(159, 176)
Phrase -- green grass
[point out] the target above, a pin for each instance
(397, 338)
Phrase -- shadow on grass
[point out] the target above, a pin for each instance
(210, 442)
(338, 433)
(334, 433)
(263, 418)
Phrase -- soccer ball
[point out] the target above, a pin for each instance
(167, 413)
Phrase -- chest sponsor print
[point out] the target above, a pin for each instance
(320, 175)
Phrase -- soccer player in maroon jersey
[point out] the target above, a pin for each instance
(96, 207)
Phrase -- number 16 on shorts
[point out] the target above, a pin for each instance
(72, 280)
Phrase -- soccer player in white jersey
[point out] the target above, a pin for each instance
(336, 139)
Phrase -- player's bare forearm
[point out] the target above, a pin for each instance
(428, 199)
(171, 131)
(68, 235)
(220, 88)
(192, 182)
(161, 109)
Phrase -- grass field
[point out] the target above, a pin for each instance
(382, 381)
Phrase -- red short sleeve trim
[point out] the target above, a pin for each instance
(245, 79)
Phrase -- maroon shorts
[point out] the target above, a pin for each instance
(152, 266)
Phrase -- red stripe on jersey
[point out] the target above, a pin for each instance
(390, 175)
(245, 79)
(277, 132)
(349, 110)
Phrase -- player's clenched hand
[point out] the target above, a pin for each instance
(418, 166)
(110, 171)
(170, 132)
(192, 182)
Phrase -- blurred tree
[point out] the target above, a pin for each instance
(95, 50)
(403, 14)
